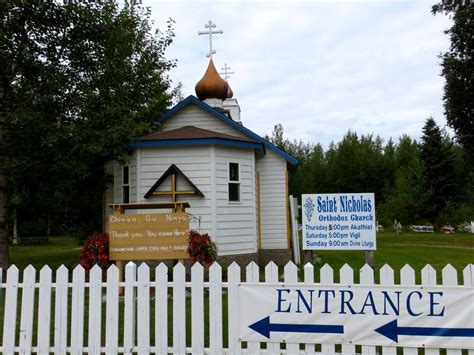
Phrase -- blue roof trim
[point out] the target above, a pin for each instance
(197, 141)
(248, 132)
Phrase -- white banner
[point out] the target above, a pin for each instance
(339, 221)
(376, 315)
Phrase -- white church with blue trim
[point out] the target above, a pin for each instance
(235, 181)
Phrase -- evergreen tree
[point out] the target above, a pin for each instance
(438, 170)
(458, 71)
(78, 81)
(404, 197)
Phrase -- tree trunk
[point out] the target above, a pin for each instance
(3, 185)
(15, 228)
(3, 220)
(48, 231)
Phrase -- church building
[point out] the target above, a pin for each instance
(235, 181)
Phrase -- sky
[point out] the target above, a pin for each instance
(318, 68)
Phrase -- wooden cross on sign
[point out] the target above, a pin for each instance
(210, 32)
(226, 72)
(173, 172)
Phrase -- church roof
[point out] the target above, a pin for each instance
(191, 132)
(192, 136)
(255, 137)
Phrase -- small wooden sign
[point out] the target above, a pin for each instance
(148, 236)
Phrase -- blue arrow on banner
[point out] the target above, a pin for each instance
(392, 331)
(264, 327)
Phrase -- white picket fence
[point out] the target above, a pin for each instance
(113, 317)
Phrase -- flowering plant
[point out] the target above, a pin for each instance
(96, 251)
(201, 248)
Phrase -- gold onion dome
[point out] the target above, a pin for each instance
(212, 86)
(230, 93)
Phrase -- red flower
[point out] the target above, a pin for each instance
(96, 251)
(201, 248)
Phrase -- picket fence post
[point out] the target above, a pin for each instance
(233, 279)
(407, 278)
(428, 278)
(468, 281)
(161, 309)
(252, 277)
(271, 276)
(112, 310)
(450, 278)
(44, 310)
(143, 310)
(129, 308)
(197, 309)
(346, 277)
(77, 310)
(27, 311)
(179, 309)
(95, 310)
(327, 277)
(309, 279)
(387, 277)
(291, 276)
(11, 297)
(60, 310)
(367, 278)
(215, 310)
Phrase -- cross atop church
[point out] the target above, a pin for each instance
(226, 72)
(210, 32)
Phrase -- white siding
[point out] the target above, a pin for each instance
(193, 115)
(132, 168)
(273, 197)
(236, 221)
(195, 163)
(109, 193)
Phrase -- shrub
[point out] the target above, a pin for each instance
(201, 248)
(96, 251)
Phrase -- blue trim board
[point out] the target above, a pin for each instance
(228, 120)
(198, 141)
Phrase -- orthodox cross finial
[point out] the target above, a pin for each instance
(210, 32)
(226, 72)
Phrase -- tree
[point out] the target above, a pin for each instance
(437, 160)
(458, 71)
(78, 83)
(357, 165)
(404, 197)
(300, 180)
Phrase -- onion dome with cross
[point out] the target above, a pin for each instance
(226, 72)
(212, 86)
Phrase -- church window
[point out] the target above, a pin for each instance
(125, 185)
(234, 182)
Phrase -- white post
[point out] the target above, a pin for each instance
(294, 228)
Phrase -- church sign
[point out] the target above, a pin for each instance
(339, 221)
(148, 236)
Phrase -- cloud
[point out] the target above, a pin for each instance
(318, 68)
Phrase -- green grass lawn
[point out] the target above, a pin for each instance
(415, 249)
(57, 251)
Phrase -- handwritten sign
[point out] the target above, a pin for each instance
(148, 236)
